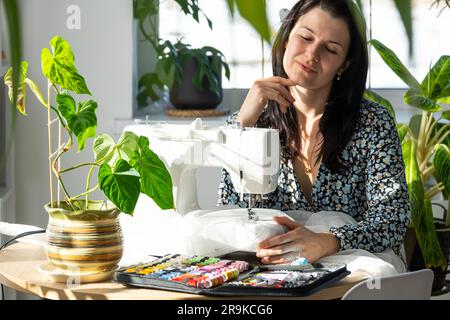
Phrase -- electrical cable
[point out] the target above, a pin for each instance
(9, 242)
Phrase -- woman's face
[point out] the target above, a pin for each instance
(316, 49)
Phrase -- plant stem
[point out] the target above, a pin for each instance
(436, 137)
(427, 147)
(427, 172)
(420, 138)
(431, 151)
(80, 165)
(84, 193)
(88, 181)
(434, 190)
(58, 175)
(429, 123)
(59, 160)
(430, 131)
(49, 133)
(148, 37)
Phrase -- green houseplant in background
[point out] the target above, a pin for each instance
(178, 65)
(426, 145)
(125, 169)
(192, 75)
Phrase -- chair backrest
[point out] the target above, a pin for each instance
(414, 285)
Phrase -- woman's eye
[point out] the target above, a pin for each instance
(331, 51)
(305, 38)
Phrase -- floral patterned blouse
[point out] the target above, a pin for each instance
(373, 189)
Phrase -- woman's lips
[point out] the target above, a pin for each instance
(306, 68)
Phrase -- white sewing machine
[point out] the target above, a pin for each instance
(250, 155)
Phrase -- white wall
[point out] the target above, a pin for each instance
(103, 49)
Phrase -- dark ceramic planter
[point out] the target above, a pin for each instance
(187, 96)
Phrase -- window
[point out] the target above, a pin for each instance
(430, 39)
(243, 49)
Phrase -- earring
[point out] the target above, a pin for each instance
(338, 77)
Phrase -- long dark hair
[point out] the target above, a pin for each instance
(342, 111)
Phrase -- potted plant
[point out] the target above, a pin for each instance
(83, 234)
(193, 76)
(426, 153)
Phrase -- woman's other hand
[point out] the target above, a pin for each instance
(299, 241)
(263, 90)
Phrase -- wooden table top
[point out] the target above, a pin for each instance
(18, 270)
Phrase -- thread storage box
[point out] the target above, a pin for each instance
(222, 277)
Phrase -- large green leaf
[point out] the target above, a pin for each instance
(156, 181)
(441, 163)
(59, 66)
(437, 79)
(394, 63)
(107, 151)
(375, 97)
(421, 212)
(121, 186)
(428, 241)
(415, 98)
(82, 121)
(405, 11)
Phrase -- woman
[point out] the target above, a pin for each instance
(339, 152)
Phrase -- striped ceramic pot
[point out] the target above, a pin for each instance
(85, 240)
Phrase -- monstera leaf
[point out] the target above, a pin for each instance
(82, 121)
(59, 66)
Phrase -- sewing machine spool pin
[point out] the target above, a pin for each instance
(251, 213)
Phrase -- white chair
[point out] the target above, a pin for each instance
(414, 285)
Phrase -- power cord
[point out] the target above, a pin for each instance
(9, 242)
